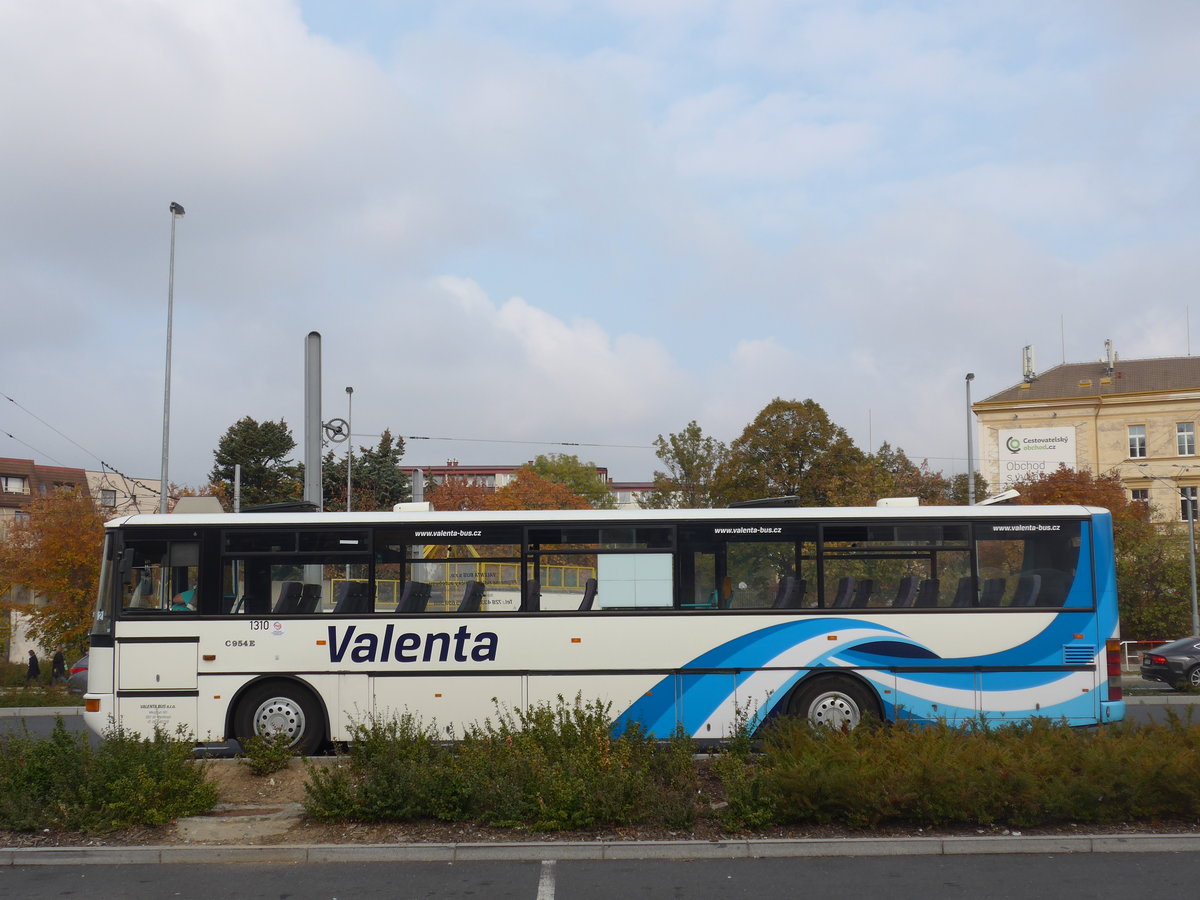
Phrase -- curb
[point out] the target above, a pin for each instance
(603, 850)
(27, 711)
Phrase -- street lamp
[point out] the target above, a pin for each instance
(1191, 520)
(970, 446)
(349, 442)
(176, 213)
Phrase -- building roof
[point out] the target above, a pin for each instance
(39, 480)
(1075, 381)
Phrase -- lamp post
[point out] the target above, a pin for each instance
(176, 213)
(970, 446)
(349, 443)
(1191, 521)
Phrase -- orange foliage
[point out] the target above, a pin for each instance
(529, 490)
(1071, 486)
(55, 553)
(455, 495)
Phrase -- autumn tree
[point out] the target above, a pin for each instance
(792, 448)
(691, 460)
(1152, 567)
(54, 554)
(578, 477)
(262, 450)
(529, 490)
(377, 482)
(452, 495)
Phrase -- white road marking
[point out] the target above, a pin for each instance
(546, 881)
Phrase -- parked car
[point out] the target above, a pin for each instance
(1176, 663)
(77, 676)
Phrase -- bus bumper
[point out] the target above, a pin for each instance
(99, 712)
(1112, 711)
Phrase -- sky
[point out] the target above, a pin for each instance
(543, 226)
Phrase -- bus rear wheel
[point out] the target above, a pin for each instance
(833, 701)
(280, 707)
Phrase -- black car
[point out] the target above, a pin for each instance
(1176, 663)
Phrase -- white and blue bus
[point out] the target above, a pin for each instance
(309, 623)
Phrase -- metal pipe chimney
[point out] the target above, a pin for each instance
(312, 419)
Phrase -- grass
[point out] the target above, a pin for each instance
(42, 695)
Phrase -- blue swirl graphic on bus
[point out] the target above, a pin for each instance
(1031, 678)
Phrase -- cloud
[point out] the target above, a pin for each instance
(587, 224)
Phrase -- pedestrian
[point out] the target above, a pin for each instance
(35, 670)
(58, 669)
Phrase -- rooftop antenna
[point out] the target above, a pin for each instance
(1110, 357)
(1028, 366)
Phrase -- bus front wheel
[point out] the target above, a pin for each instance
(833, 701)
(280, 707)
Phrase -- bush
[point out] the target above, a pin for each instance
(546, 767)
(1017, 775)
(265, 756)
(62, 783)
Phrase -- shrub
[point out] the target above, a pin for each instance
(1018, 775)
(392, 773)
(62, 783)
(545, 767)
(265, 756)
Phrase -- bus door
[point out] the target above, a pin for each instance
(157, 643)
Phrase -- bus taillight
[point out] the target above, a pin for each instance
(1112, 653)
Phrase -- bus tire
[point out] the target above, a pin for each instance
(834, 701)
(271, 707)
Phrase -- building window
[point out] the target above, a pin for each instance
(1140, 495)
(1188, 494)
(13, 484)
(108, 498)
(1137, 441)
(1185, 438)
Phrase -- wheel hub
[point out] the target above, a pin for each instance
(834, 710)
(279, 715)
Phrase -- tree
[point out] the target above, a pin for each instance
(1152, 567)
(890, 473)
(378, 484)
(579, 477)
(262, 449)
(959, 496)
(529, 490)
(54, 553)
(458, 495)
(790, 449)
(691, 460)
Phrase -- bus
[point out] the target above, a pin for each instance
(228, 626)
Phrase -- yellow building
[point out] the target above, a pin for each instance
(1136, 418)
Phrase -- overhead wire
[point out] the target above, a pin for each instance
(103, 465)
(407, 437)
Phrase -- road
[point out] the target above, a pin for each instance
(981, 877)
